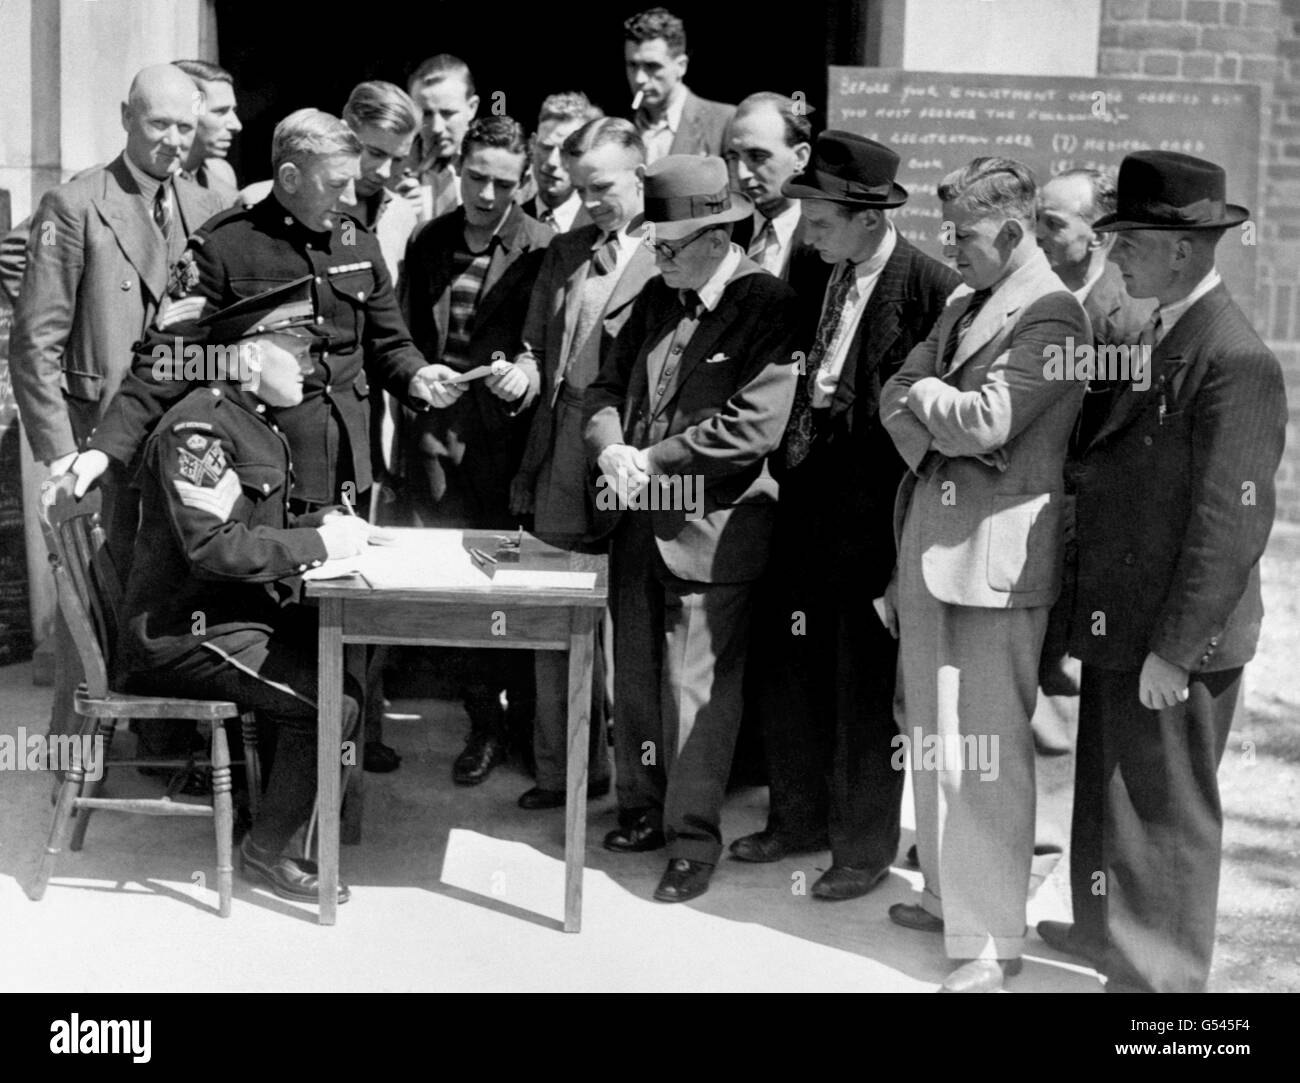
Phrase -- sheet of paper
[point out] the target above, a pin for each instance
(409, 557)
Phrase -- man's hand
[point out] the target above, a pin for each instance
(60, 465)
(626, 468)
(1162, 684)
(87, 468)
(433, 387)
(887, 606)
(344, 535)
(521, 495)
(508, 381)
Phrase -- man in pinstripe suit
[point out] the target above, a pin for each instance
(1175, 504)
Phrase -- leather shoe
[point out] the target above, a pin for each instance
(292, 878)
(911, 860)
(379, 759)
(1060, 935)
(537, 797)
(764, 846)
(637, 838)
(981, 976)
(482, 752)
(684, 880)
(911, 916)
(846, 882)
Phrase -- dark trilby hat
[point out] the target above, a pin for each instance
(848, 168)
(686, 192)
(285, 309)
(1162, 189)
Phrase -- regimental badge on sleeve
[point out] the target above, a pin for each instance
(207, 482)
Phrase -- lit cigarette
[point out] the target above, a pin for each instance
(636, 102)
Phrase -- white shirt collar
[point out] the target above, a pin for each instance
(871, 268)
(783, 224)
(148, 185)
(1081, 294)
(670, 119)
(565, 213)
(1171, 313)
(711, 292)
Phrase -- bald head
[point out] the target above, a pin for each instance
(160, 116)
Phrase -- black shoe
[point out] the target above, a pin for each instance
(684, 880)
(765, 846)
(911, 916)
(482, 753)
(912, 861)
(1060, 935)
(291, 878)
(378, 758)
(846, 882)
(538, 798)
(638, 838)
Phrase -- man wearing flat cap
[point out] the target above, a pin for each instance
(827, 692)
(691, 398)
(216, 536)
(1175, 504)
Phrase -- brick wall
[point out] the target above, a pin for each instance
(1238, 41)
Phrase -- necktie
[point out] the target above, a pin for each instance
(606, 257)
(763, 248)
(162, 208)
(691, 303)
(973, 307)
(799, 431)
(547, 218)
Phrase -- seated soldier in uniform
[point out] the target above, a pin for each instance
(204, 612)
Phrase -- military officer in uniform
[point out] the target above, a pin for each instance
(302, 228)
(201, 616)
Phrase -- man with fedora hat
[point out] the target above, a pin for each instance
(691, 399)
(1175, 504)
(983, 427)
(215, 533)
(827, 694)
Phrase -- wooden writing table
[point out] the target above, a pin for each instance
(469, 611)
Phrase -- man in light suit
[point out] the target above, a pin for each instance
(1068, 204)
(983, 428)
(443, 88)
(583, 297)
(99, 263)
(689, 402)
(769, 142)
(1175, 504)
(671, 118)
(825, 691)
(207, 163)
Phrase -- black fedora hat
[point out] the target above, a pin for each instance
(1162, 189)
(848, 168)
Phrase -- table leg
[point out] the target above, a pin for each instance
(581, 657)
(329, 698)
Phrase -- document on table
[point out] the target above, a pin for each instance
(412, 558)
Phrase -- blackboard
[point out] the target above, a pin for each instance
(937, 122)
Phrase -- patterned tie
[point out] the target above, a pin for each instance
(763, 248)
(799, 431)
(606, 257)
(973, 307)
(162, 208)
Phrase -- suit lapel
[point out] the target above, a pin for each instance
(1000, 309)
(639, 270)
(123, 210)
(877, 329)
(513, 240)
(687, 139)
(189, 199)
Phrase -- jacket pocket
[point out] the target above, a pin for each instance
(1024, 539)
(260, 480)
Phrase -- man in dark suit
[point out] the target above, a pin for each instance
(671, 119)
(1068, 204)
(1175, 505)
(468, 279)
(689, 402)
(582, 299)
(826, 696)
(769, 142)
(557, 203)
(97, 267)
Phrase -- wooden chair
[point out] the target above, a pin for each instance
(89, 593)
